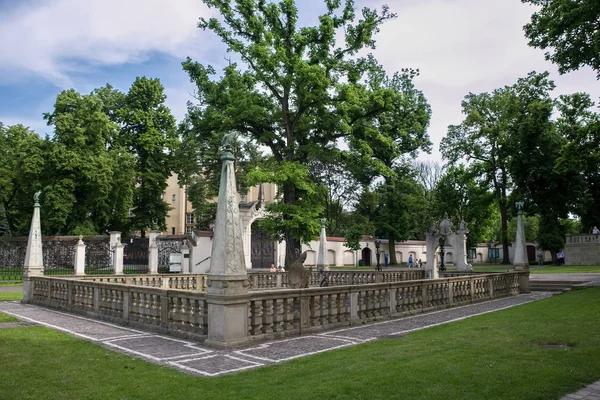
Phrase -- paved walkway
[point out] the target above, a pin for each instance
(194, 358)
(11, 288)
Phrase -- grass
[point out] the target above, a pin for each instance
(11, 296)
(492, 356)
(12, 283)
(7, 318)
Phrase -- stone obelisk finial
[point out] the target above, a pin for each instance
(227, 246)
(227, 279)
(520, 260)
(322, 254)
(34, 257)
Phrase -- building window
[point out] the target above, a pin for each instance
(189, 229)
(173, 228)
(173, 197)
(189, 218)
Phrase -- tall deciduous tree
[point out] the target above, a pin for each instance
(298, 94)
(22, 154)
(484, 137)
(85, 177)
(569, 30)
(148, 132)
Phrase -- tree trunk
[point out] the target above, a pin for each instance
(504, 238)
(293, 247)
(392, 250)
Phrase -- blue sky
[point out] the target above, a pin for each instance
(460, 46)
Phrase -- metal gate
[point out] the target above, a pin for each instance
(135, 255)
(166, 246)
(98, 257)
(262, 248)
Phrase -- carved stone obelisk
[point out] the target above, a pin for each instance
(34, 257)
(322, 254)
(227, 294)
(520, 259)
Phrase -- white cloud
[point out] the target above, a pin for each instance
(64, 36)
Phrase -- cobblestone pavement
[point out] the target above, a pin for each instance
(193, 357)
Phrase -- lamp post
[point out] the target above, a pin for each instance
(377, 244)
(442, 253)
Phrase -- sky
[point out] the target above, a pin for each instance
(459, 46)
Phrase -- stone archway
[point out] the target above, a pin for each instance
(366, 256)
(262, 248)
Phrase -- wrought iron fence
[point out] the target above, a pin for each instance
(59, 254)
(12, 257)
(98, 255)
(135, 255)
(166, 246)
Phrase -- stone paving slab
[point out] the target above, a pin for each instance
(194, 358)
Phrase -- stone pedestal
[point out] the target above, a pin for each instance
(185, 259)
(153, 257)
(227, 310)
(118, 258)
(80, 257)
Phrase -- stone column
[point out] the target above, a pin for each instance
(520, 261)
(227, 293)
(115, 236)
(34, 257)
(153, 257)
(431, 238)
(185, 258)
(322, 254)
(80, 257)
(461, 248)
(118, 258)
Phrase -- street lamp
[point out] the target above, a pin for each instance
(377, 244)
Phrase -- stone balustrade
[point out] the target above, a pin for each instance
(165, 281)
(271, 313)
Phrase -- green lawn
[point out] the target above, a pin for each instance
(7, 318)
(11, 296)
(492, 356)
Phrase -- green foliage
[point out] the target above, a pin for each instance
(21, 170)
(462, 196)
(87, 175)
(148, 133)
(569, 30)
(298, 94)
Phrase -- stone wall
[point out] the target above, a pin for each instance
(582, 250)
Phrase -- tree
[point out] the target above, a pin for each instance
(580, 127)
(88, 178)
(569, 29)
(148, 133)
(298, 95)
(22, 154)
(484, 137)
(460, 194)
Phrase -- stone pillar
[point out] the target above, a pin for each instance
(461, 248)
(185, 258)
(118, 258)
(80, 257)
(431, 238)
(115, 236)
(227, 293)
(34, 257)
(322, 254)
(520, 261)
(153, 257)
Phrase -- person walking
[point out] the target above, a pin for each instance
(410, 261)
(595, 230)
(540, 257)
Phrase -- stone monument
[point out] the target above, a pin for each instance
(227, 294)
(34, 257)
(322, 256)
(444, 238)
(299, 277)
(520, 260)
